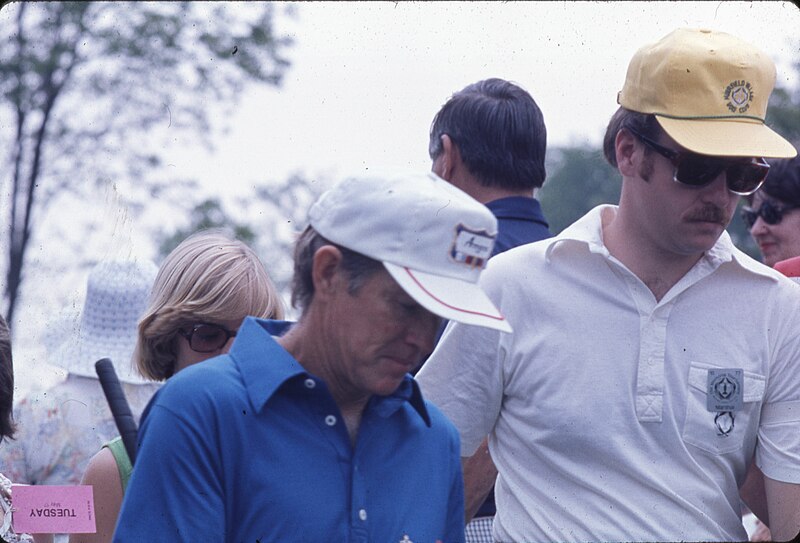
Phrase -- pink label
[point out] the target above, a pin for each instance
(42, 509)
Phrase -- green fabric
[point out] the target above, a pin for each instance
(124, 465)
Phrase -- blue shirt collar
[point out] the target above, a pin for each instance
(517, 207)
(265, 367)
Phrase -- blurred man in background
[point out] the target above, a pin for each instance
(489, 140)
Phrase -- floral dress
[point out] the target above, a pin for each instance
(7, 534)
(61, 428)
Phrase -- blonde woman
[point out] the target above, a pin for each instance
(203, 291)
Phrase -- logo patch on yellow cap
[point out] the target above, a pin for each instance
(738, 94)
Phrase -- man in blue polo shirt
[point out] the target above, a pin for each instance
(320, 434)
(489, 140)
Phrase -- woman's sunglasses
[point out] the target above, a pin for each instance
(743, 178)
(207, 338)
(771, 213)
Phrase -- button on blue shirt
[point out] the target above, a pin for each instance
(250, 447)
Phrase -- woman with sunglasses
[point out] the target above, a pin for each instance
(773, 218)
(203, 291)
(773, 213)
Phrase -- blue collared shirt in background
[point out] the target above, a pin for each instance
(519, 221)
(250, 447)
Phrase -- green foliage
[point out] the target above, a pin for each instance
(282, 215)
(740, 235)
(86, 86)
(581, 180)
(269, 222)
(783, 112)
(205, 215)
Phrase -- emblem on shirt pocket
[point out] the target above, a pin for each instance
(725, 390)
(722, 407)
(724, 421)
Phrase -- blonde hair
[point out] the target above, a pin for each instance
(209, 277)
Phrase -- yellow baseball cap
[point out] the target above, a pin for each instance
(709, 92)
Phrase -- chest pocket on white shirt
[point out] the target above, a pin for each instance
(720, 433)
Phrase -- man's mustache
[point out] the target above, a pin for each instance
(710, 213)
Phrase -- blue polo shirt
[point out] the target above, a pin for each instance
(519, 220)
(250, 447)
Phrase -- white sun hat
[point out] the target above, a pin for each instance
(433, 239)
(116, 296)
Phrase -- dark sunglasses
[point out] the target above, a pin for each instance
(743, 178)
(771, 213)
(207, 338)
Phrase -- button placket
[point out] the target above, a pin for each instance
(650, 374)
(358, 503)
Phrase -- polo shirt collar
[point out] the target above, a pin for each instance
(408, 391)
(517, 207)
(588, 229)
(266, 366)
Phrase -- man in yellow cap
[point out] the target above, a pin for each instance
(651, 362)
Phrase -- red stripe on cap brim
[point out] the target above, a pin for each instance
(459, 309)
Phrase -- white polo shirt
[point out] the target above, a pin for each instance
(597, 406)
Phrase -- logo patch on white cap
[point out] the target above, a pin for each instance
(739, 94)
(472, 247)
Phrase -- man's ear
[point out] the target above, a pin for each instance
(629, 153)
(446, 164)
(325, 271)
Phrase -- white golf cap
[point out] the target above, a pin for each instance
(433, 239)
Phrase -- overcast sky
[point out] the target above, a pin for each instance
(367, 78)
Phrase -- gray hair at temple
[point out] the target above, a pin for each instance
(358, 267)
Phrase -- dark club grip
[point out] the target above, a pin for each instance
(118, 405)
